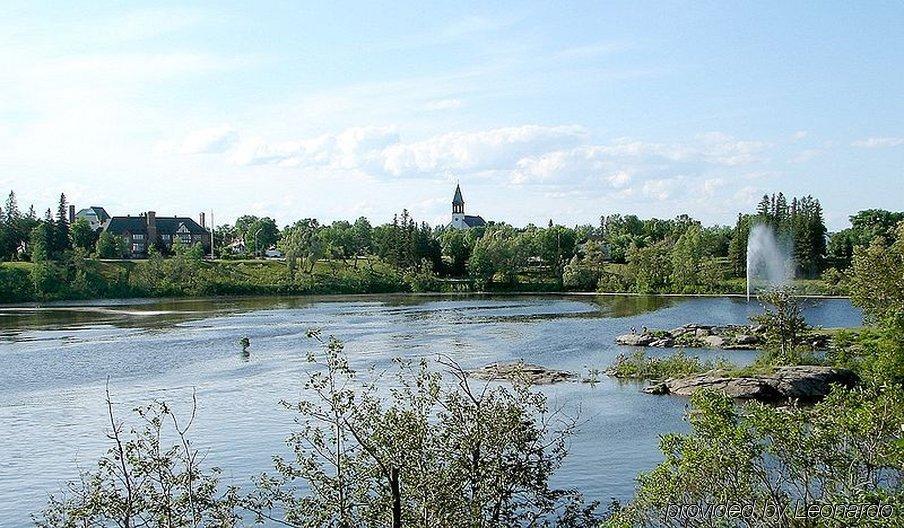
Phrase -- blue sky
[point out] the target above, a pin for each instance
(563, 110)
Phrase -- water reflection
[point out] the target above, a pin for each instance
(57, 360)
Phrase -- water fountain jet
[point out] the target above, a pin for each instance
(767, 257)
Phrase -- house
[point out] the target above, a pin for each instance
(96, 216)
(459, 219)
(148, 229)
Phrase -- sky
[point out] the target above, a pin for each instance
(541, 110)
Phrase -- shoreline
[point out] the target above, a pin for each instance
(116, 301)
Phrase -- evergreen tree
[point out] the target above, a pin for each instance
(61, 240)
(737, 248)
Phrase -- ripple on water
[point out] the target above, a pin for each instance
(56, 363)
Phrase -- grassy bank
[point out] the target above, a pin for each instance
(182, 277)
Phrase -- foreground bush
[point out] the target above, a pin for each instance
(843, 458)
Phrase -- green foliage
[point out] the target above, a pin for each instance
(109, 246)
(686, 259)
(787, 331)
(866, 226)
(650, 267)
(737, 248)
(581, 275)
(17, 284)
(877, 280)
(258, 233)
(40, 243)
(83, 236)
(141, 481)
(429, 453)
(457, 245)
(876, 354)
(639, 365)
(499, 254)
(846, 450)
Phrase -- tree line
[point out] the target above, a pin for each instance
(621, 253)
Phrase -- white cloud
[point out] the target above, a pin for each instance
(879, 142)
(799, 135)
(661, 189)
(806, 155)
(356, 147)
(498, 148)
(209, 140)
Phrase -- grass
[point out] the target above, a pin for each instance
(639, 365)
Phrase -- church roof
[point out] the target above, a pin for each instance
(458, 200)
(474, 221)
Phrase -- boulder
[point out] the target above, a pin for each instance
(806, 383)
(656, 388)
(635, 339)
(738, 388)
(810, 382)
(702, 332)
(519, 371)
(680, 331)
(664, 342)
(713, 341)
(746, 339)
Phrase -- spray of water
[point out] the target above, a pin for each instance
(767, 258)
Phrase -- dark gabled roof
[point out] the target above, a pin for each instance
(166, 225)
(127, 224)
(170, 224)
(99, 212)
(457, 199)
(474, 221)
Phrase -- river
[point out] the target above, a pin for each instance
(56, 360)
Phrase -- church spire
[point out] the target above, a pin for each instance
(458, 203)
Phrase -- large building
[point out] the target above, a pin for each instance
(459, 219)
(146, 230)
(95, 216)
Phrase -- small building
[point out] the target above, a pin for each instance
(459, 219)
(146, 230)
(96, 216)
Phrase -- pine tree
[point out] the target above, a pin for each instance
(61, 240)
(737, 247)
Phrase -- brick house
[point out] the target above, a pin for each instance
(148, 229)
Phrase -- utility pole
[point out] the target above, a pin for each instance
(212, 226)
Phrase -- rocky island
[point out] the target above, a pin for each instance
(725, 337)
(804, 383)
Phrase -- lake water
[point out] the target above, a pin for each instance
(55, 361)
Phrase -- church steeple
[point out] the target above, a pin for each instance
(458, 203)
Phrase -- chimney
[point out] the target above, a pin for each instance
(201, 220)
(152, 227)
(71, 213)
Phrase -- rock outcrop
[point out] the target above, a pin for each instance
(806, 383)
(729, 337)
(518, 371)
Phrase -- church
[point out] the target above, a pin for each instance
(459, 219)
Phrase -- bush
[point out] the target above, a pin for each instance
(846, 450)
(16, 284)
(641, 366)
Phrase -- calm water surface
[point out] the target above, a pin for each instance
(55, 361)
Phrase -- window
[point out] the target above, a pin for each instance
(137, 236)
(137, 248)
